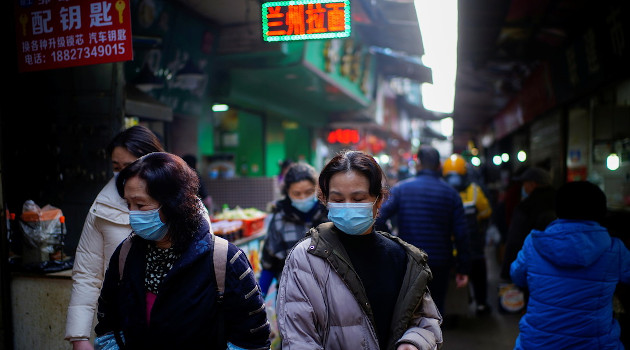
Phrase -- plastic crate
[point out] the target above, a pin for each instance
(249, 226)
(252, 226)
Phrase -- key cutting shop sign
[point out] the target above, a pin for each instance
(66, 33)
(305, 19)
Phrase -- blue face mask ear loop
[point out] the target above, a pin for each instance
(160, 216)
(376, 200)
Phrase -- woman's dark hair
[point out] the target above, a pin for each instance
(581, 200)
(358, 161)
(174, 185)
(138, 140)
(298, 172)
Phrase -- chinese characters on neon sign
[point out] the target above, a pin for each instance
(305, 19)
(65, 33)
(344, 136)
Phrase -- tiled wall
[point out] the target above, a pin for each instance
(255, 192)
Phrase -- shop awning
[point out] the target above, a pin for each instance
(428, 132)
(395, 64)
(140, 104)
(418, 112)
(389, 24)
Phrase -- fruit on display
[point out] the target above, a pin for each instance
(239, 213)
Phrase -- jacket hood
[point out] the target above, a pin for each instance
(110, 206)
(572, 243)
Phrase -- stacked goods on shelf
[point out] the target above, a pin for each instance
(230, 230)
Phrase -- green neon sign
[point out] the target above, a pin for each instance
(305, 19)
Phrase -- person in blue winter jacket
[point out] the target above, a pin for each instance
(571, 270)
(430, 215)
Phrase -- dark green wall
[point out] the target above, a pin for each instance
(274, 146)
(298, 144)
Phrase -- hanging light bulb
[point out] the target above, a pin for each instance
(612, 161)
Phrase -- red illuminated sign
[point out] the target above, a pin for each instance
(345, 136)
(65, 33)
(305, 19)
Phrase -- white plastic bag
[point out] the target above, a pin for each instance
(41, 226)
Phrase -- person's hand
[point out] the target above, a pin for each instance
(461, 280)
(82, 345)
(405, 346)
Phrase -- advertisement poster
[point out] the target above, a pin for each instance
(65, 33)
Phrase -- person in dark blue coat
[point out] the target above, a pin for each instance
(430, 214)
(571, 270)
(167, 297)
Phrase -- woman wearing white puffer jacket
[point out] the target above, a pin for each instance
(106, 225)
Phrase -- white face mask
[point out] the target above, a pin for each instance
(352, 218)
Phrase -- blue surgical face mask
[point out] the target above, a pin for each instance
(304, 205)
(147, 224)
(351, 218)
(524, 193)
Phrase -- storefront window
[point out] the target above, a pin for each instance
(599, 144)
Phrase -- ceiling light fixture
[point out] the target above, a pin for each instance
(220, 108)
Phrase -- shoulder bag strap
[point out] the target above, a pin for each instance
(219, 259)
(124, 250)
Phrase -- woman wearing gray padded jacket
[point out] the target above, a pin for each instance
(346, 286)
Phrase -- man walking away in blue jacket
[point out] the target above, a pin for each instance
(430, 215)
(571, 270)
